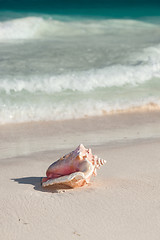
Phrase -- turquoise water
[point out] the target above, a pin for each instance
(63, 62)
(100, 8)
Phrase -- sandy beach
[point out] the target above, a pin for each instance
(121, 203)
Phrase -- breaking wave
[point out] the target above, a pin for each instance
(112, 76)
(77, 95)
(39, 27)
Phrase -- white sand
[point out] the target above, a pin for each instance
(122, 202)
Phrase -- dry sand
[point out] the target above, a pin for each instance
(121, 203)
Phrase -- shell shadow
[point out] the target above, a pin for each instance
(36, 182)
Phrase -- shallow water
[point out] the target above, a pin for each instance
(55, 66)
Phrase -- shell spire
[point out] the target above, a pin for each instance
(98, 161)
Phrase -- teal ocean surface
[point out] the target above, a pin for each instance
(60, 61)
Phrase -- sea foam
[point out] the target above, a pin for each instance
(64, 111)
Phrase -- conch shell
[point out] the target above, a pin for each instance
(74, 169)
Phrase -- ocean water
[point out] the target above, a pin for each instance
(72, 62)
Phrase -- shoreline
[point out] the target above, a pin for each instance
(150, 107)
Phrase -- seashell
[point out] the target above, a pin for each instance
(73, 169)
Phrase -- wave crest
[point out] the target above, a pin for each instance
(112, 76)
(38, 27)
